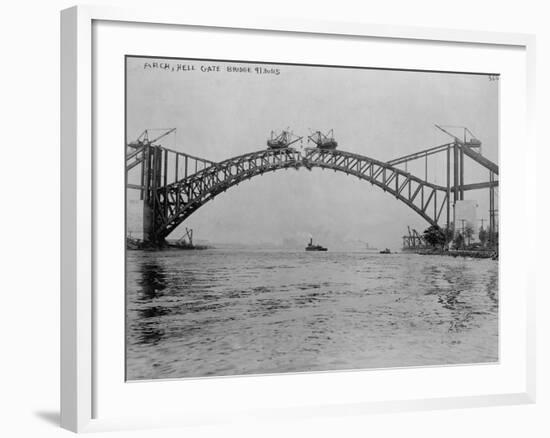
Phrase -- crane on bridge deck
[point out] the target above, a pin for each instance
(283, 140)
(323, 141)
(472, 141)
(143, 139)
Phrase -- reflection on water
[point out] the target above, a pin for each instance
(218, 312)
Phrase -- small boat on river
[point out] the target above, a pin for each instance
(312, 247)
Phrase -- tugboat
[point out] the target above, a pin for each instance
(385, 251)
(312, 247)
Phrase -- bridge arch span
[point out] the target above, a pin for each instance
(177, 201)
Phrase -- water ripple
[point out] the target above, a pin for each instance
(214, 312)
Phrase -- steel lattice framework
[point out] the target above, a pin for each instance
(177, 201)
(420, 195)
(195, 181)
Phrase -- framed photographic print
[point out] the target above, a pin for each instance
(284, 219)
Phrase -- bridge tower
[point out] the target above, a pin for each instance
(158, 168)
(151, 177)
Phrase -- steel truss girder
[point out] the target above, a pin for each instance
(177, 201)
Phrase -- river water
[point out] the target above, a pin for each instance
(227, 312)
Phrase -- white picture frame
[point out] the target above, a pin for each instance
(79, 170)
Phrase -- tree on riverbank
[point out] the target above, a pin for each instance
(449, 234)
(469, 233)
(482, 236)
(434, 236)
(458, 241)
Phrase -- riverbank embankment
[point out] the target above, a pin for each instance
(475, 254)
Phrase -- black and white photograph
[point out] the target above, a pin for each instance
(290, 218)
(269, 219)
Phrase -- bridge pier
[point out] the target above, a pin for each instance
(492, 210)
(148, 223)
(448, 186)
(152, 180)
(461, 175)
(147, 220)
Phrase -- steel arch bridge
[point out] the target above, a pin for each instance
(170, 197)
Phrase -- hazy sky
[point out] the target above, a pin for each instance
(380, 114)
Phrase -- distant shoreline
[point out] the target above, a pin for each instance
(476, 254)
